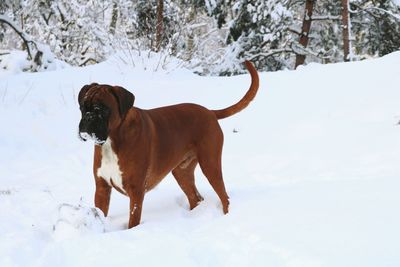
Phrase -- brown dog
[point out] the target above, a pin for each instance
(135, 148)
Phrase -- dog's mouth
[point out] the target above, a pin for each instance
(84, 136)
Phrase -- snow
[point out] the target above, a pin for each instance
(311, 167)
(14, 62)
(76, 221)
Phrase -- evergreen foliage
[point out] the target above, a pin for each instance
(211, 36)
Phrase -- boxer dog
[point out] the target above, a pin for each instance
(136, 148)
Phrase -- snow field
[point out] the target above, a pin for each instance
(311, 167)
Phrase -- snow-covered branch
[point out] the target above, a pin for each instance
(25, 38)
(325, 17)
(203, 34)
(371, 9)
(298, 49)
(384, 11)
(271, 53)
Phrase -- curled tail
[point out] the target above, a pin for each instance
(248, 97)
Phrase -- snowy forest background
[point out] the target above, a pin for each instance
(210, 37)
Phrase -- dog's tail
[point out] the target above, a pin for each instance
(248, 97)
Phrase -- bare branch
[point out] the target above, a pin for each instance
(25, 38)
(88, 60)
(295, 31)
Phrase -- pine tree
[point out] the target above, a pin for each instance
(325, 42)
(211, 36)
(258, 31)
(377, 24)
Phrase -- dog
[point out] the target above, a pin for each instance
(136, 148)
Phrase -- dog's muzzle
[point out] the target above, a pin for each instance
(92, 126)
(84, 136)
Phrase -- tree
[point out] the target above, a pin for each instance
(377, 24)
(324, 42)
(159, 25)
(210, 36)
(305, 30)
(39, 55)
(114, 17)
(4, 20)
(346, 30)
(258, 31)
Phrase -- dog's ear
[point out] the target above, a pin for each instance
(125, 99)
(83, 92)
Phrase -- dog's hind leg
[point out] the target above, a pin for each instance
(184, 175)
(209, 155)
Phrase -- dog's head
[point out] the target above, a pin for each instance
(103, 109)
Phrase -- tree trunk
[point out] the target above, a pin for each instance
(190, 37)
(160, 25)
(305, 30)
(114, 18)
(346, 29)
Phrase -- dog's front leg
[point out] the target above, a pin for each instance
(136, 196)
(102, 195)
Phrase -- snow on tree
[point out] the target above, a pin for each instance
(325, 37)
(39, 56)
(258, 31)
(209, 36)
(305, 31)
(74, 30)
(377, 27)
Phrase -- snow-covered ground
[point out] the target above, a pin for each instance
(311, 167)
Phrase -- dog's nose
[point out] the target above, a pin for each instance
(84, 136)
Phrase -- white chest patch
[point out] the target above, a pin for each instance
(109, 169)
